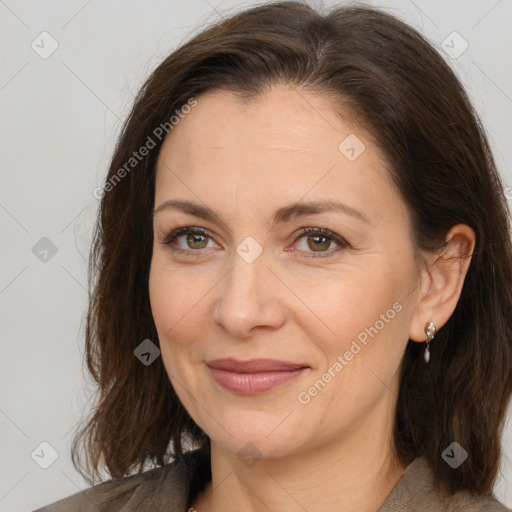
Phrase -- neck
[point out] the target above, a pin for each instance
(355, 473)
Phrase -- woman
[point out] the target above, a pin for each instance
(303, 279)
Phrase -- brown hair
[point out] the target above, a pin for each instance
(439, 158)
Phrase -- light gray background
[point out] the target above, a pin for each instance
(59, 120)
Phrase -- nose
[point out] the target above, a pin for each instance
(249, 300)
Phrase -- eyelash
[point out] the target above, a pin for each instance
(173, 235)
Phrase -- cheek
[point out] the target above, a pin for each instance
(162, 302)
(365, 320)
(368, 320)
(177, 311)
(347, 304)
(174, 297)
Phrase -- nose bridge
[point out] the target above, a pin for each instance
(247, 299)
(248, 266)
(245, 277)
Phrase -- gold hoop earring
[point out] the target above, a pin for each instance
(430, 331)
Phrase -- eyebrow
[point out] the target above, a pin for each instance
(283, 214)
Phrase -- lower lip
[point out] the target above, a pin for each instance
(254, 383)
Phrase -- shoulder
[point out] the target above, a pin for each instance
(416, 491)
(169, 484)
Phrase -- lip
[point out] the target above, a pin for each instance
(254, 376)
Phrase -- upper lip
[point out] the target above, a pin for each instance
(254, 365)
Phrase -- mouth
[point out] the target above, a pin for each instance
(254, 376)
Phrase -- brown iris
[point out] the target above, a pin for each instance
(195, 241)
(318, 242)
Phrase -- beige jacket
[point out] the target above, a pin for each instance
(172, 487)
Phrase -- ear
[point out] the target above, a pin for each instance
(441, 281)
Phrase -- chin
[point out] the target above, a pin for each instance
(260, 436)
(251, 447)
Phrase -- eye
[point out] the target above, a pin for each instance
(320, 241)
(189, 239)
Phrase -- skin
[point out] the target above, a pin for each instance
(296, 302)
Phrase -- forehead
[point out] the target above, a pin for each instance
(283, 145)
(282, 118)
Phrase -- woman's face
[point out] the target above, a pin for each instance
(256, 281)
